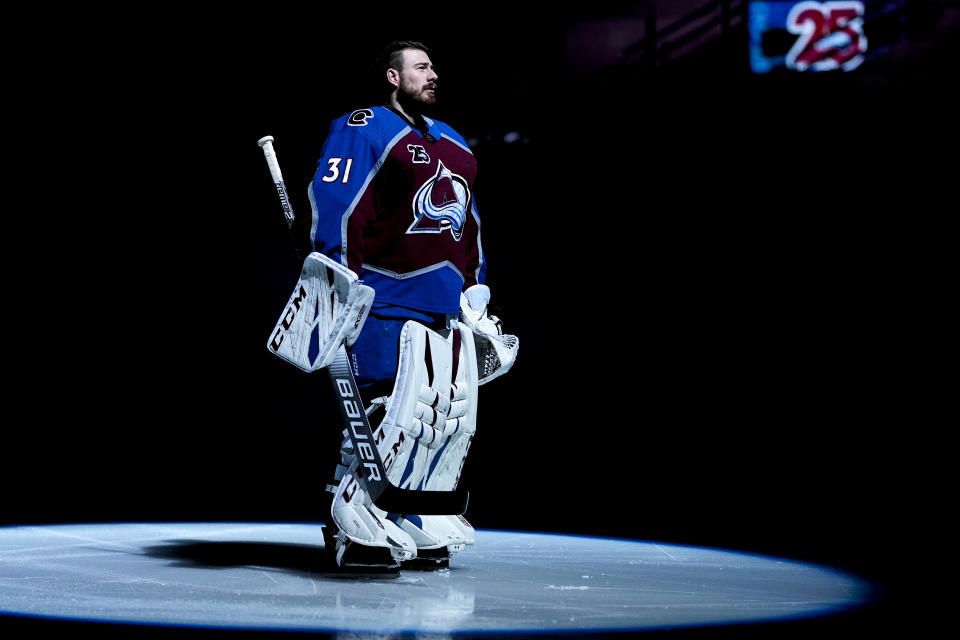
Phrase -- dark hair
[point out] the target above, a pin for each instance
(391, 57)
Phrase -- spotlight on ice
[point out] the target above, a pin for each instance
(268, 576)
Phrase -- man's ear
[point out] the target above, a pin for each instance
(393, 77)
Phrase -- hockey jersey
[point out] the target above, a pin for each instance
(395, 204)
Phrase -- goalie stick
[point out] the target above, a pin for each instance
(370, 470)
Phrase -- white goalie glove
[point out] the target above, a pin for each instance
(496, 352)
(327, 308)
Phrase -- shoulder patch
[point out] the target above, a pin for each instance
(359, 117)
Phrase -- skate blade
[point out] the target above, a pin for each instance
(428, 560)
(363, 573)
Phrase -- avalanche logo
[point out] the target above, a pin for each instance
(441, 204)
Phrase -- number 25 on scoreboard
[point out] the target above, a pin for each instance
(830, 35)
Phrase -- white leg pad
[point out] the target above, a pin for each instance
(360, 520)
(431, 416)
(465, 530)
(423, 440)
(434, 532)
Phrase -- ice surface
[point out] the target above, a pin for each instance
(268, 575)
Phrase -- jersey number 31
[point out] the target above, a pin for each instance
(334, 170)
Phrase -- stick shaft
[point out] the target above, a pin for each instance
(266, 143)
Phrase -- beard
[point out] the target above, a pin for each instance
(415, 97)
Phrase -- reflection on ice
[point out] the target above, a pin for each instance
(421, 607)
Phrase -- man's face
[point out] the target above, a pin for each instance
(418, 81)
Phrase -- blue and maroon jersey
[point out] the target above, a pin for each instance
(395, 204)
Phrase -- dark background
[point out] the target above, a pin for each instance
(725, 286)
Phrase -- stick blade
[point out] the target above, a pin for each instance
(423, 503)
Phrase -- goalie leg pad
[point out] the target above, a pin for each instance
(359, 521)
(431, 415)
(437, 532)
(423, 440)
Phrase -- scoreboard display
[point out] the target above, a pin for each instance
(811, 36)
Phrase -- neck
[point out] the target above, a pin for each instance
(407, 110)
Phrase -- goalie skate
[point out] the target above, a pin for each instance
(344, 559)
